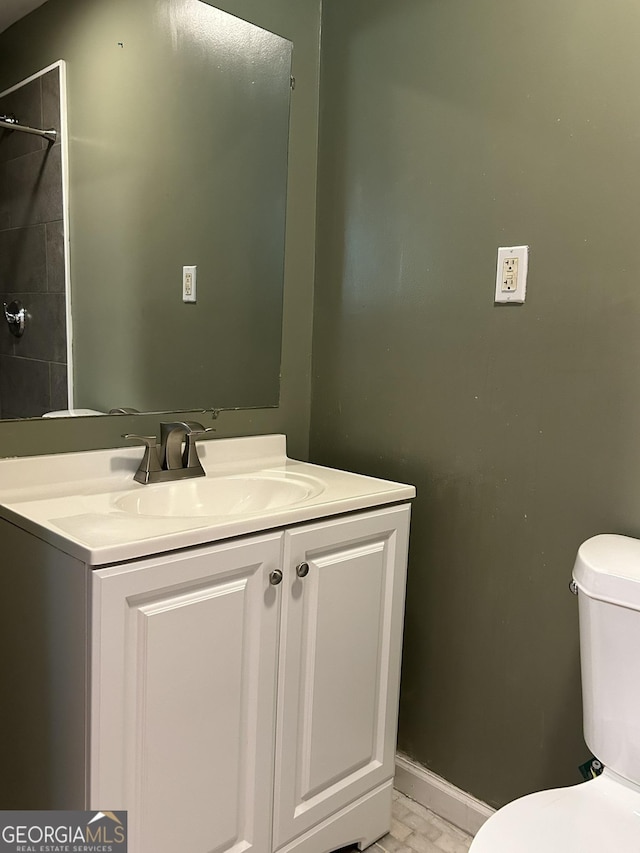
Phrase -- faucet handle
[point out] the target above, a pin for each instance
(190, 456)
(200, 431)
(150, 462)
(145, 439)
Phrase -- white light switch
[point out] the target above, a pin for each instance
(189, 284)
(511, 276)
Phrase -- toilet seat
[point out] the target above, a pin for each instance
(602, 814)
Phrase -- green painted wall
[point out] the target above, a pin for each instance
(75, 31)
(449, 128)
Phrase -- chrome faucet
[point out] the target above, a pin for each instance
(168, 460)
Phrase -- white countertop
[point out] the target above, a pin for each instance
(72, 500)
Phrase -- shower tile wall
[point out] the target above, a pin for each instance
(33, 372)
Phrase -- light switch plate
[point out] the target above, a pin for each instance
(189, 284)
(511, 274)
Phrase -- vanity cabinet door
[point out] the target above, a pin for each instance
(183, 697)
(340, 651)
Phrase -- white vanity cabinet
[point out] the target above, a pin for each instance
(229, 713)
(339, 674)
(218, 656)
(183, 688)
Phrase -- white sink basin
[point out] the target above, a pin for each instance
(220, 496)
(88, 505)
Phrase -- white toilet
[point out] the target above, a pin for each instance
(604, 813)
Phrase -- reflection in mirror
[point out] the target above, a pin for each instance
(178, 137)
(33, 327)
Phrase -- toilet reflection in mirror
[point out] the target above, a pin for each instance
(177, 156)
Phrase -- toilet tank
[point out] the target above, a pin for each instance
(607, 575)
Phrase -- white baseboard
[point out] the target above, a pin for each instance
(440, 796)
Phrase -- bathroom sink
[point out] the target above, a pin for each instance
(220, 496)
(88, 505)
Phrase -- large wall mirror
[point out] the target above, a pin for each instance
(178, 124)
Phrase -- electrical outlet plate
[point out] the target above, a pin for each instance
(511, 274)
(189, 284)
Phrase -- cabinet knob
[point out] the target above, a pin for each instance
(302, 570)
(275, 577)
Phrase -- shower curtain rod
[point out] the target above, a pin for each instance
(11, 123)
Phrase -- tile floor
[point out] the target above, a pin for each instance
(415, 829)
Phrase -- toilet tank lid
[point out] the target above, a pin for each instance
(607, 567)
